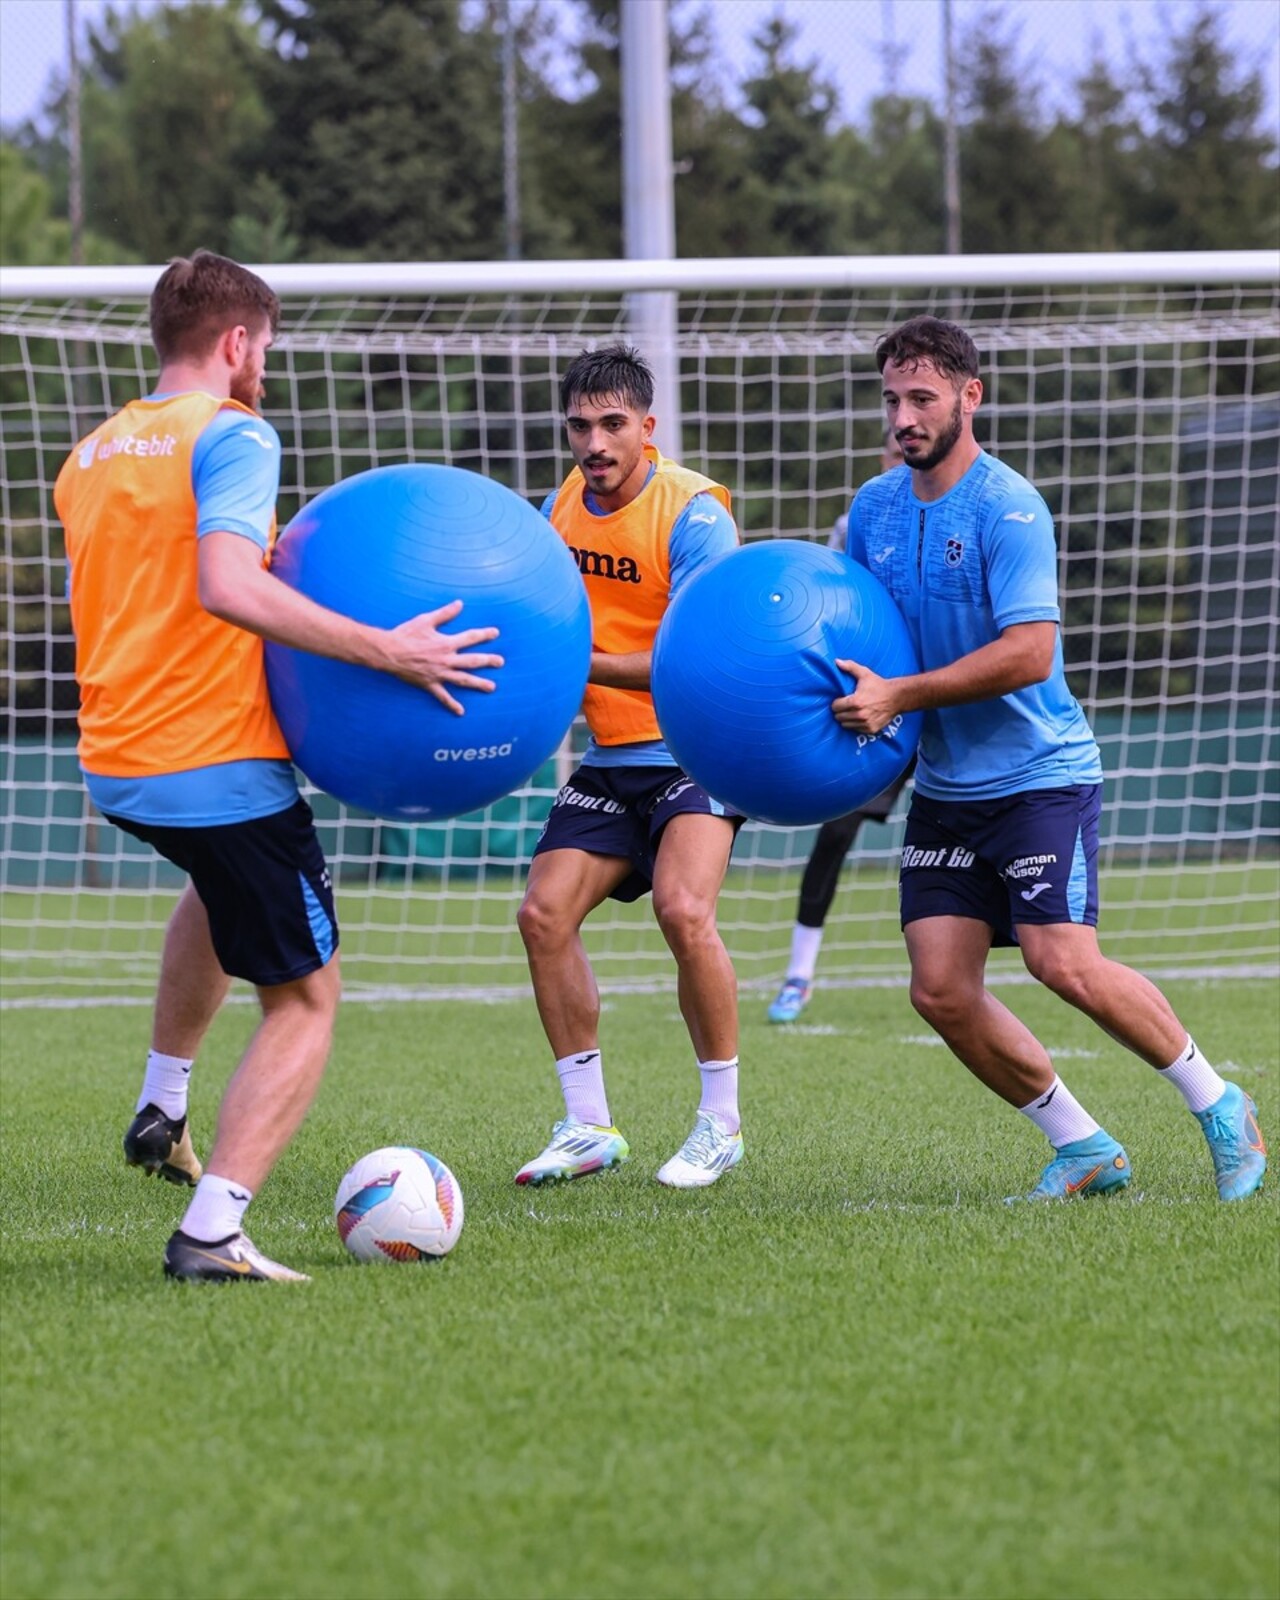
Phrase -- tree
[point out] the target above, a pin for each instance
(803, 205)
(1209, 178)
(895, 174)
(31, 235)
(388, 128)
(1092, 153)
(174, 126)
(1010, 198)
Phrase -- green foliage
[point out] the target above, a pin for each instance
(1009, 189)
(794, 187)
(31, 235)
(175, 126)
(849, 1369)
(312, 129)
(388, 127)
(1210, 170)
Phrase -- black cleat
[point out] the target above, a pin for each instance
(230, 1260)
(158, 1144)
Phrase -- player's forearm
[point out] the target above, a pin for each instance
(626, 671)
(1021, 656)
(263, 605)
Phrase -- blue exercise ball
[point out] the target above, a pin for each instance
(744, 673)
(384, 546)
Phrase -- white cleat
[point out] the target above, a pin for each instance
(707, 1154)
(576, 1149)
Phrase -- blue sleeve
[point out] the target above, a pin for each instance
(855, 539)
(1021, 559)
(549, 504)
(702, 532)
(235, 475)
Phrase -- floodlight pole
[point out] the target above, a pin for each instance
(510, 135)
(648, 200)
(75, 190)
(951, 134)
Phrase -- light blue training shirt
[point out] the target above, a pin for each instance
(962, 569)
(235, 477)
(702, 532)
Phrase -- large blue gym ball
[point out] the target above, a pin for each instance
(384, 546)
(744, 673)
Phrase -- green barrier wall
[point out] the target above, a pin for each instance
(1209, 775)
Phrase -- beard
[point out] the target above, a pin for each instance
(246, 386)
(944, 444)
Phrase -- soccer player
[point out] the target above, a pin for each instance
(1002, 834)
(169, 515)
(834, 842)
(629, 820)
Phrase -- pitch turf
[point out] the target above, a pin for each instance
(848, 1370)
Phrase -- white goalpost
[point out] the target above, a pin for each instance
(1141, 394)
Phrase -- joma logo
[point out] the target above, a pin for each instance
(599, 564)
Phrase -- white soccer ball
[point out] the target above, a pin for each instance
(399, 1204)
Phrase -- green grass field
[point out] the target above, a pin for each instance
(848, 1370)
(1171, 916)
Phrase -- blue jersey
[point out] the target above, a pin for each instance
(703, 531)
(962, 569)
(235, 475)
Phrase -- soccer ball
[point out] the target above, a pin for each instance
(399, 1204)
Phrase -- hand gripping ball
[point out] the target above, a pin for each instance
(384, 546)
(744, 673)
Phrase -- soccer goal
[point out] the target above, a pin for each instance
(1141, 394)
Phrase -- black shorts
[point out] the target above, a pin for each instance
(265, 886)
(1025, 858)
(621, 811)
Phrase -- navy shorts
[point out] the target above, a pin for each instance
(621, 811)
(1025, 858)
(265, 886)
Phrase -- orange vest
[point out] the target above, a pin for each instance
(164, 685)
(625, 561)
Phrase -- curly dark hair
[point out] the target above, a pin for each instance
(613, 369)
(944, 345)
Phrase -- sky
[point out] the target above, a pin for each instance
(853, 39)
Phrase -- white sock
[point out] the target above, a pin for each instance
(217, 1209)
(1193, 1077)
(720, 1092)
(1059, 1115)
(582, 1082)
(165, 1084)
(805, 945)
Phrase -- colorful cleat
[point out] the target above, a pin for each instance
(1231, 1128)
(576, 1149)
(235, 1259)
(792, 998)
(160, 1144)
(1096, 1165)
(707, 1154)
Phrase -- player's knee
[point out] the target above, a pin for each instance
(1069, 978)
(939, 1004)
(685, 919)
(310, 999)
(540, 924)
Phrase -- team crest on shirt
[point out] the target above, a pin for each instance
(954, 553)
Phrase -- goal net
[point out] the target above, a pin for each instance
(1141, 396)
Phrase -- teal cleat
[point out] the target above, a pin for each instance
(1231, 1129)
(792, 998)
(1096, 1165)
